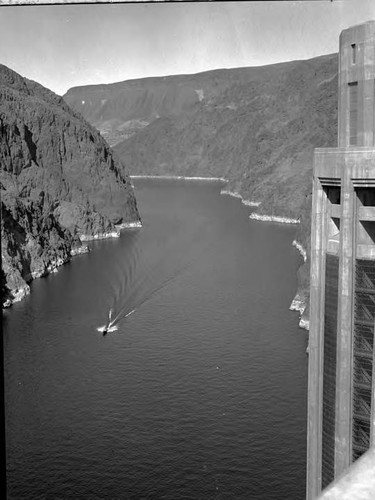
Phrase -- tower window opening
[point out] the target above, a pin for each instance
(366, 196)
(353, 113)
(333, 194)
(354, 53)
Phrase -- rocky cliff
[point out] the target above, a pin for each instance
(257, 127)
(60, 183)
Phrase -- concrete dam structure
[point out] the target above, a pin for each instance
(341, 393)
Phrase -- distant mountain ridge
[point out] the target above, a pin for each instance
(59, 181)
(257, 127)
(118, 110)
(126, 108)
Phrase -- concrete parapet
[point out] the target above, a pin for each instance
(357, 483)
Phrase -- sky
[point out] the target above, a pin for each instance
(62, 46)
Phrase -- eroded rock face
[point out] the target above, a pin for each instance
(59, 181)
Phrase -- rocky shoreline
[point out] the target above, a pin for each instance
(99, 236)
(178, 177)
(111, 234)
(79, 250)
(273, 218)
(299, 302)
(301, 249)
(128, 225)
(19, 293)
(235, 194)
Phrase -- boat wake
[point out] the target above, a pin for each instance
(146, 274)
(110, 326)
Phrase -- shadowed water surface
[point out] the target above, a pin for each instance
(200, 394)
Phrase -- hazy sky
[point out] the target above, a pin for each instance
(62, 46)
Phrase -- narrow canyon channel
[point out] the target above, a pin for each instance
(200, 394)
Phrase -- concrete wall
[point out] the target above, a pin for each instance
(357, 483)
(357, 64)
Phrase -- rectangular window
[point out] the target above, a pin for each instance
(353, 53)
(353, 114)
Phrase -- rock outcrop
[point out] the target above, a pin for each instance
(59, 181)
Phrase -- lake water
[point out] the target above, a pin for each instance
(200, 394)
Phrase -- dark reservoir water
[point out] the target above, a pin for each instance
(200, 394)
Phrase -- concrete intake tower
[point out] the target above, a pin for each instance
(341, 394)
